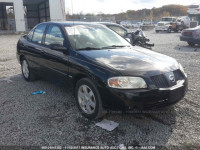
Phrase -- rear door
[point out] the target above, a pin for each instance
(34, 46)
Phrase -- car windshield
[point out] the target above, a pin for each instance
(90, 37)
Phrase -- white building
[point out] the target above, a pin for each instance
(194, 12)
(22, 15)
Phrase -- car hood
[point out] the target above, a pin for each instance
(133, 61)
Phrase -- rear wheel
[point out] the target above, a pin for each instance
(88, 99)
(190, 44)
(157, 31)
(26, 71)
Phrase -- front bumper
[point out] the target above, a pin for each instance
(189, 39)
(144, 99)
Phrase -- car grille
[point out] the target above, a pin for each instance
(160, 24)
(162, 82)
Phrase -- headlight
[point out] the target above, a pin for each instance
(127, 83)
(182, 69)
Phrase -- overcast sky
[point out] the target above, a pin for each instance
(116, 6)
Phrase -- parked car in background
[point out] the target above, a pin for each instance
(102, 68)
(138, 25)
(147, 25)
(137, 37)
(119, 29)
(191, 36)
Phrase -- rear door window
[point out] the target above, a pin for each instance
(38, 34)
(54, 36)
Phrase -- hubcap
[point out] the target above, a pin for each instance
(86, 99)
(25, 69)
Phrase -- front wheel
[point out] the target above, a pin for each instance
(88, 99)
(157, 31)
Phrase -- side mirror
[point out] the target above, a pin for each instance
(25, 36)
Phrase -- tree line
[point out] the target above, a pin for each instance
(154, 13)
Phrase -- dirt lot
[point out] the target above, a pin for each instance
(53, 118)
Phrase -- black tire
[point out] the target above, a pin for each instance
(169, 30)
(30, 76)
(176, 31)
(98, 111)
(157, 31)
(191, 44)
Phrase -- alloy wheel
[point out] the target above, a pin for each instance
(86, 99)
(25, 69)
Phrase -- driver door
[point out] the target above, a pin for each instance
(55, 62)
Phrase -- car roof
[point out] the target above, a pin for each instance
(107, 23)
(110, 23)
(70, 23)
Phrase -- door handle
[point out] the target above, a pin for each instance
(35, 48)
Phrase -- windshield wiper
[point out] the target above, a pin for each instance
(115, 46)
(89, 48)
(107, 47)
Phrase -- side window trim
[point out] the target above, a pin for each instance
(42, 35)
(66, 37)
(33, 30)
(45, 33)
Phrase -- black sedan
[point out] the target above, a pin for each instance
(102, 68)
(191, 36)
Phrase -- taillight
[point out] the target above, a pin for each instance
(187, 33)
(196, 34)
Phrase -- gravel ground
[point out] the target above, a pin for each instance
(53, 118)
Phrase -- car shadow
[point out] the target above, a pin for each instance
(146, 128)
(187, 48)
(163, 32)
(54, 119)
